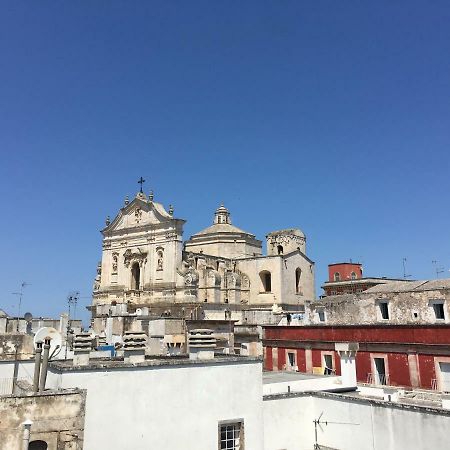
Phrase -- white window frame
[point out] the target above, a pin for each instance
(227, 424)
(433, 304)
(379, 313)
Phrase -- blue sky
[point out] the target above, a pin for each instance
(328, 116)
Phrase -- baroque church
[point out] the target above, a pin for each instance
(218, 273)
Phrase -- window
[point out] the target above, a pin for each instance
(291, 359)
(337, 276)
(328, 364)
(298, 276)
(439, 311)
(353, 276)
(380, 371)
(280, 249)
(384, 310)
(321, 314)
(135, 276)
(266, 280)
(231, 436)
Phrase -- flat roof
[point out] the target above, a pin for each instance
(99, 364)
(282, 376)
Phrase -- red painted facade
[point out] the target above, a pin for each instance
(345, 271)
(407, 354)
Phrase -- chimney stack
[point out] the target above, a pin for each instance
(201, 344)
(82, 345)
(347, 352)
(135, 343)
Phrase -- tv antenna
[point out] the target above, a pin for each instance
(20, 295)
(404, 269)
(72, 299)
(318, 424)
(438, 269)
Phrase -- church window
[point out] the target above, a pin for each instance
(135, 276)
(280, 249)
(266, 280)
(353, 276)
(298, 275)
(337, 276)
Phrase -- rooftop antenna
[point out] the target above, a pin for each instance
(438, 270)
(318, 423)
(72, 299)
(20, 294)
(404, 269)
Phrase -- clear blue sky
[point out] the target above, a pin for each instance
(328, 116)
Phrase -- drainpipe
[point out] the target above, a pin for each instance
(37, 366)
(26, 433)
(44, 365)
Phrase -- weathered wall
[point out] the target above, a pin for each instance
(410, 307)
(16, 346)
(58, 419)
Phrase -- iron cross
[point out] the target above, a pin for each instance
(141, 182)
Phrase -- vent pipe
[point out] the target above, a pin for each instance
(44, 364)
(37, 366)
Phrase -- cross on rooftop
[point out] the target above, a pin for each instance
(141, 182)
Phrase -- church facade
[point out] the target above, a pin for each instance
(146, 269)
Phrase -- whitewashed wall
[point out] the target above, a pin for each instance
(288, 424)
(168, 407)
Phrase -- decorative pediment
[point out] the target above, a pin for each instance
(139, 212)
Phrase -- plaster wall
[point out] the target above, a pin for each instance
(352, 424)
(154, 404)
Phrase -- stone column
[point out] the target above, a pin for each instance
(347, 352)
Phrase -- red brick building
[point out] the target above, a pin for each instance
(347, 278)
(415, 356)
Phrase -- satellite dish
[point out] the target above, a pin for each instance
(55, 339)
(28, 317)
(138, 311)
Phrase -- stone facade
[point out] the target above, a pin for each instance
(395, 303)
(146, 269)
(58, 419)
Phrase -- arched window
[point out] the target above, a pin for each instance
(266, 280)
(353, 276)
(37, 445)
(280, 249)
(298, 276)
(337, 276)
(135, 276)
